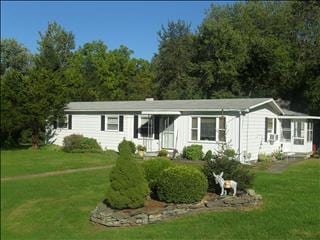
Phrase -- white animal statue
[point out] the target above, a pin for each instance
(225, 184)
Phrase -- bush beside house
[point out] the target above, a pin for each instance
(79, 143)
(233, 170)
(131, 144)
(128, 186)
(193, 152)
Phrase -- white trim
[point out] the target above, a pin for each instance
(267, 101)
(160, 113)
(299, 117)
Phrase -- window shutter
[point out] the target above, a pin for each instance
(55, 124)
(156, 127)
(69, 121)
(275, 126)
(103, 122)
(266, 130)
(120, 123)
(135, 126)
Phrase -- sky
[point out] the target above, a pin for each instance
(133, 24)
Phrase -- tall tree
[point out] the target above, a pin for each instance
(14, 56)
(173, 64)
(43, 92)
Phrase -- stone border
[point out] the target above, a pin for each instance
(106, 216)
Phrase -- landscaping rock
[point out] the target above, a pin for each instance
(155, 211)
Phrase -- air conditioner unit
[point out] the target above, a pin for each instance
(273, 137)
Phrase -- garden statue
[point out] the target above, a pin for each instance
(225, 184)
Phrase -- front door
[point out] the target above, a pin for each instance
(167, 133)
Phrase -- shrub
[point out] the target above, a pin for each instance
(193, 152)
(128, 187)
(229, 153)
(181, 184)
(51, 147)
(79, 143)
(278, 155)
(208, 156)
(262, 157)
(233, 170)
(153, 168)
(163, 153)
(132, 146)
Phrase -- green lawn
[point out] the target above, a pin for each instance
(23, 162)
(57, 207)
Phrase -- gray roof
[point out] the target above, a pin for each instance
(288, 112)
(170, 105)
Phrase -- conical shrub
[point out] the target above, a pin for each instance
(128, 187)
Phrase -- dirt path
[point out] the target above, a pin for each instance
(280, 166)
(54, 173)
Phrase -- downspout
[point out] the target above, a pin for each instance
(239, 137)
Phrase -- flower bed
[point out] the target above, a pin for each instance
(155, 211)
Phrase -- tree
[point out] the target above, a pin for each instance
(14, 56)
(173, 64)
(128, 187)
(42, 94)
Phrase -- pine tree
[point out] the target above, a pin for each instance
(128, 187)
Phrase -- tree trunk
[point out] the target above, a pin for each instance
(35, 138)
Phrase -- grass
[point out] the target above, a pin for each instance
(24, 162)
(58, 207)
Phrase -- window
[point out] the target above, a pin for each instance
(146, 126)
(102, 123)
(310, 131)
(222, 129)
(194, 129)
(268, 128)
(113, 123)
(203, 128)
(298, 135)
(286, 130)
(63, 122)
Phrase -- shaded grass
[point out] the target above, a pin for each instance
(58, 207)
(24, 162)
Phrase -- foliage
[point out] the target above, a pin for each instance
(193, 152)
(232, 170)
(163, 153)
(251, 49)
(51, 147)
(182, 184)
(263, 157)
(208, 156)
(278, 155)
(79, 143)
(153, 168)
(131, 144)
(141, 148)
(128, 187)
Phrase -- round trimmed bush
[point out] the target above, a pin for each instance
(153, 168)
(79, 143)
(182, 184)
(128, 187)
(131, 144)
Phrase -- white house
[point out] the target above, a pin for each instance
(250, 126)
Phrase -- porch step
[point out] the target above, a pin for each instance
(155, 154)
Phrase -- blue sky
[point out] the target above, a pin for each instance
(134, 24)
